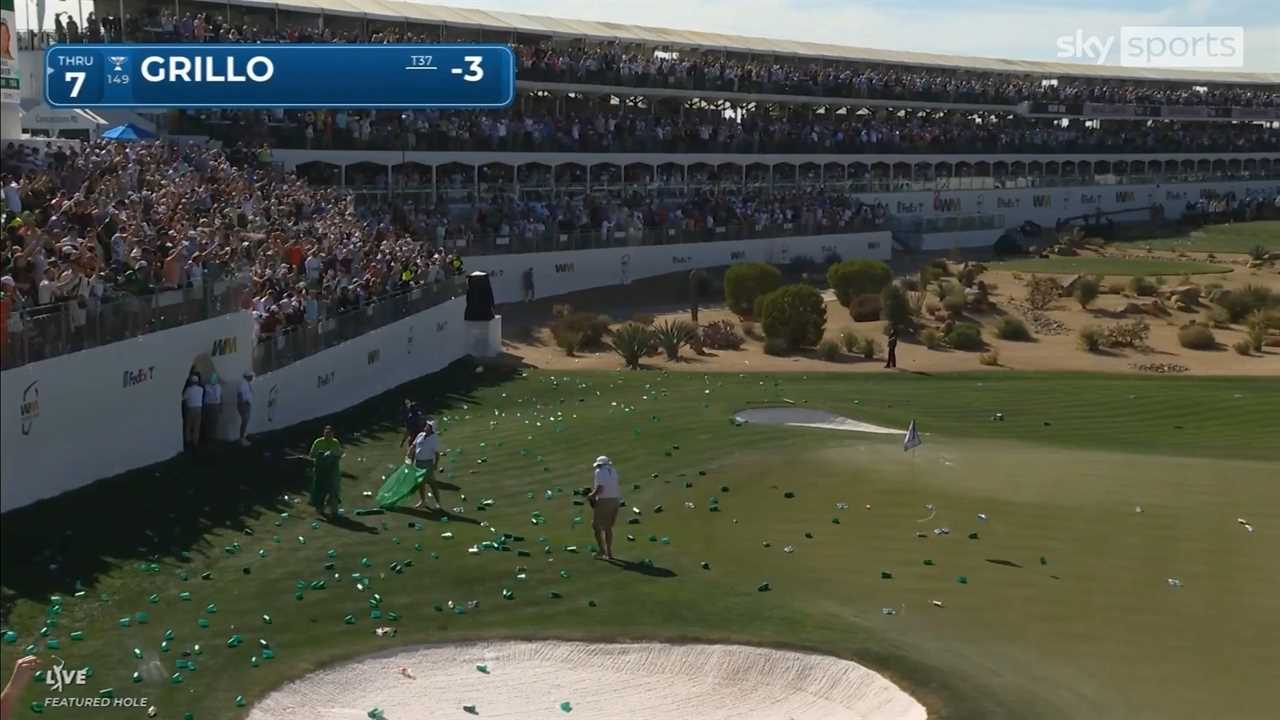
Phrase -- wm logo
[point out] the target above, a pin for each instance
(1042, 201)
(564, 267)
(224, 346)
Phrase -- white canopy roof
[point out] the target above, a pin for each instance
(402, 10)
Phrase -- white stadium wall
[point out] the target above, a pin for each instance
(75, 418)
(356, 370)
(556, 273)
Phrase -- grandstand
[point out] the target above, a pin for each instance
(630, 152)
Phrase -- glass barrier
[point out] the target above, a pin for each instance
(292, 344)
(46, 331)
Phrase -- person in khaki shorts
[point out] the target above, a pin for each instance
(604, 498)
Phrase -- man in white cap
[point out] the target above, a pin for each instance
(425, 454)
(604, 497)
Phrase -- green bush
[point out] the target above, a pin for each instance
(895, 308)
(829, 350)
(745, 282)
(796, 314)
(1090, 338)
(953, 303)
(853, 278)
(1141, 286)
(568, 341)
(865, 308)
(776, 346)
(931, 338)
(849, 340)
(1012, 328)
(1197, 337)
(965, 336)
(1087, 290)
(1250, 298)
(1243, 347)
(631, 342)
(869, 348)
(673, 335)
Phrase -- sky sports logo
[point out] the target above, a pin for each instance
(1154, 46)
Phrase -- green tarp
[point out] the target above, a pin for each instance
(399, 485)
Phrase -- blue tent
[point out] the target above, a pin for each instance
(127, 132)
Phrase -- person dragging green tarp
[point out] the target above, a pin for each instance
(417, 473)
(326, 454)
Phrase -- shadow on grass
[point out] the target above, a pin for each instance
(434, 514)
(158, 513)
(641, 568)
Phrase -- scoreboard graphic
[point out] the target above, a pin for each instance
(279, 76)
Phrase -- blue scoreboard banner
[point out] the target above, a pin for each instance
(279, 76)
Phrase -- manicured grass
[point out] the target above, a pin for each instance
(1107, 266)
(1234, 238)
(1095, 632)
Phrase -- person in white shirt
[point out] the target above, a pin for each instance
(425, 455)
(192, 409)
(605, 496)
(212, 406)
(244, 404)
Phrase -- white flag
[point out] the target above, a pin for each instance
(913, 437)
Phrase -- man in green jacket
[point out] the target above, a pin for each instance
(326, 452)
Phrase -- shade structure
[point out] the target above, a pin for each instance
(127, 132)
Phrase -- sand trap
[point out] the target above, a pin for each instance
(801, 417)
(643, 681)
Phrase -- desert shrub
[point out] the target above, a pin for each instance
(940, 267)
(673, 335)
(801, 264)
(1012, 328)
(721, 335)
(568, 341)
(1090, 338)
(969, 273)
(941, 289)
(1132, 333)
(642, 318)
(1087, 289)
(865, 308)
(909, 284)
(1043, 292)
(745, 282)
(1141, 286)
(991, 357)
(631, 342)
(588, 328)
(1161, 281)
(965, 336)
(849, 340)
(895, 308)
(561, 310)
(1243, 347)
(1197, 337)
(1257, 252)
(931, 338)
(869, 348)
(695, 341)
(1211, 286)
(853, 278)
(829, 350)
(796, 314)
(953, 303)
(1239, 303)
(1219, 317)
(776, 346)
(1115, 287)
(1256, 330)
(752, 331)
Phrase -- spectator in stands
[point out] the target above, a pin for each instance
(192, 410)
(244, 405)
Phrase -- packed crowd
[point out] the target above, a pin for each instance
(110, 220)
(713, 132)
(615, 63)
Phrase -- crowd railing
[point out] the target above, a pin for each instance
(293, 343)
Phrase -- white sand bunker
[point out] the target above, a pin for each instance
(803, 417)
(530, 680)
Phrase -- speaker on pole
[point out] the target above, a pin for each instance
(479, 298)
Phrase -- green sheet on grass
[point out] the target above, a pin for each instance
(399, 485)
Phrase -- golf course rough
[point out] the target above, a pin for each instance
(1017, 637)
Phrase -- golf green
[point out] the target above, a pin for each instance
(1234, 238)
(1066, 610)
(1107, 266)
